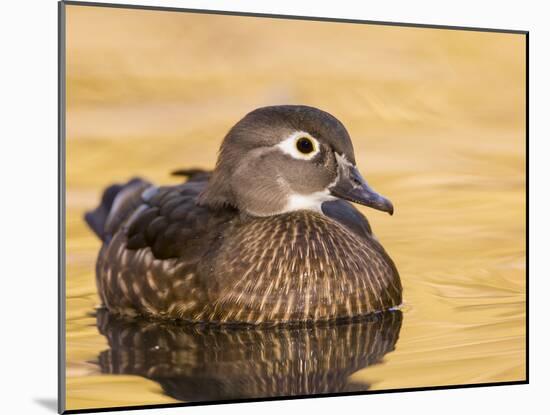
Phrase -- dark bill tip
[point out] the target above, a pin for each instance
(354, 188)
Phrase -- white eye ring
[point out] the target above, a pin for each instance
(288, 146)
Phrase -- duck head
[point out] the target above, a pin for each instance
(279, 159)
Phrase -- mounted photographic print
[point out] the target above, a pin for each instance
(257, 207)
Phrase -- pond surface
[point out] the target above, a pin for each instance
(203, 363)
(437, 119)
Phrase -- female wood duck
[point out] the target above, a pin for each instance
(268, 237)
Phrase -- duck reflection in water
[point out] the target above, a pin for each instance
(209, 363)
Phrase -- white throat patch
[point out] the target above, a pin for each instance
(310, 201)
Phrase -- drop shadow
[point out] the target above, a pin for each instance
(48, 403)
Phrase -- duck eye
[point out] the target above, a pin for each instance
(304, 145)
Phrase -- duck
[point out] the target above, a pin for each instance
(270, 236)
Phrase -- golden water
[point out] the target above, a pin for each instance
(437, 119)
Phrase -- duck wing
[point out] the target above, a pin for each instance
(166, 219)
(172, 224)
(117, 203)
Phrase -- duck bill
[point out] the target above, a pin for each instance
(351, 186)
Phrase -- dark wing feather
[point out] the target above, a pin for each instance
(170, 222)
(117, 202)
(346, 214)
